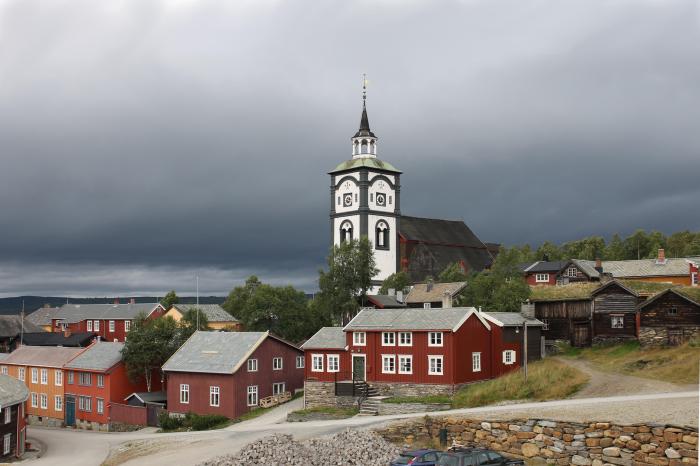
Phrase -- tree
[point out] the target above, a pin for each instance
(452, 273)
(191, 322)
(150, 344)
(548, 251)
(351, 267)
(397, 281)
(169, 299)
(615, 250)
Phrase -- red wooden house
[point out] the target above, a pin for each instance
(415, 352)
(228, 373)
(96, 379)
(111, 322)
(13, 398)
(561, 272)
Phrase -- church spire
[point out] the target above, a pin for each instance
(364, 142)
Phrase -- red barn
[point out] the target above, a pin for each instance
(95, 379)
(414, 352)
(111, 322)
(228, 373)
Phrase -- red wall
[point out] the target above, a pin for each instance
(344, 370)
(119, 334)
(473, 337)
(531, 279)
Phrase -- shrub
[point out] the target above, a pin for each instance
(204, 422)
(169, 423)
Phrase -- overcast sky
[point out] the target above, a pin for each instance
(146, 142)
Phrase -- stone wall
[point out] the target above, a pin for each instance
(91, 425)
(407, 408)
(413, 389)
(554, 442)
(45, 421)
(658, 336)
(317, 394)
(612, 340)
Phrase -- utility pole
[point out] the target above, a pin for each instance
(197, 278)
(525, 348)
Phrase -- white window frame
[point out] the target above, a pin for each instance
(3, 370)
(7, 444)
(58, 403)
(509, 357)
(402, 358)
(21, 373)
(214, 396)
(96, 325)
(8, 415)
(278, 388)
(359, 339)
(333, 363)
(44, 376)
(58, 377)
(541, 278)
(252, 365)
(100, 405)
(434, 336)
(43, 401)
(385, 339)
(277, 363)
(252, 392)
(111, 326)
(476, 362)
(617, 321)
(694, 281)
(405, 339)
(89, 326)
(316, 363)
(388, 358)
(436, 357)
(127, 326)
(100, 380)
(35, 375)
(184, 393)
(35, 400)
(427, 305)
(300, 362)
(572, 272)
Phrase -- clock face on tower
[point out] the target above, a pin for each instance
(347, 200)
(381, 199)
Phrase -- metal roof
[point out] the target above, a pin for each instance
(326, 338)
(42, 316)
(57, 339)
(12, 391)
(385, 301)
(149, 397)
(420, 294)
(365, 162)
(448, 319)
(647, 268)
(11, 326)
(214, 352)
(72, 313)
(510, 319)
(98, 357)
(213, 312)
(587, 267)
(42, 356)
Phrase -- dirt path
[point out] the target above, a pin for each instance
(612, 384)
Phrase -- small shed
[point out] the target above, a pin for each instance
(670, 318)
(565, 311)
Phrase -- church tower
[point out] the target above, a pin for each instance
(365, 199)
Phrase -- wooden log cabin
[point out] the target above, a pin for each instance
(670, 318)
(565, 311)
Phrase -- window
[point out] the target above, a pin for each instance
(476, 362)
(434, 365)
(382, 235)
(278, 388)
(572, 272)
(214, 393)
(405, 338)
(35, 400)
(70, 377)
(509, 357)
(371, 197)
(316, 363)
(111, 326)
(87, 403)
(359, 338)
(100, 405)
(388, 338)
(100, 380)
(388, 364)
(85, 378)
(21, 373)
(3, 370)
(617, 322)
(35, 375)
(672, 311)
(253, 395)
(694, 279)
(333, 363)
(300, 362)
(545, 324)
(44, 401)
(127, 325)
(96, 325)
(542, 277)
(252, 365)
(277, 364)
(405, 364)
(345, 231)
(8, 415)
(58, 403)
(184, 393)
(390, 199)
(89, 326)
(44, 376)
(426, 305)
(58, 377)
(7, 444)
(434, 338)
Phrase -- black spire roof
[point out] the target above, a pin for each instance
(364, 125)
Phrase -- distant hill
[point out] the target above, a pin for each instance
(31, 303)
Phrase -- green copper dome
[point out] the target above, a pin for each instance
(365, 162)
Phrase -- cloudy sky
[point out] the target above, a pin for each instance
(145, 142)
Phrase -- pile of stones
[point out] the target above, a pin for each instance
(349, 447)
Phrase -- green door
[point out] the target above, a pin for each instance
(70, 410)
(358, 368)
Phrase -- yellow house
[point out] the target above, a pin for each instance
(217, 317)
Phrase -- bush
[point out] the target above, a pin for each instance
(204, 422)
(167, 422)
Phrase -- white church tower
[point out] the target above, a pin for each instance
(365, 199)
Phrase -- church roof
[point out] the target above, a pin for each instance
(438, 231)
(365, 162)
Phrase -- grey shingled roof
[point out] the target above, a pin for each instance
(42, 356)
(385, 301)
(98, 357)
(214, 352)
(150, 397)
(72, 313)
(326, 338)
(42, 316)
(420, 294)
(587, 267)
(510, 319)
(646, 268)
(12, 391)
(213, 312)
(547, 266)
(11, 326)
(410, 319)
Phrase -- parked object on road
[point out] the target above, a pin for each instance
(461, 456)
(417, 458)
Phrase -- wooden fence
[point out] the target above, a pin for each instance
(127, 414)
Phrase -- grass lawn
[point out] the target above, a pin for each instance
(344, 412)
(419, 399)
(677, 364)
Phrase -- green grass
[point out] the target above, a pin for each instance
(346, 412)
(418, 399)
(547, 380)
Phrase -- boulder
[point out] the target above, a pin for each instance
(530, 450)
(611, 451)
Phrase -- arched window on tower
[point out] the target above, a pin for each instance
(355, 148)
(373, 148)
(382, 235)
(345, 231)
(364, 146)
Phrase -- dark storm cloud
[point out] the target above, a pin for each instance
(146, 142)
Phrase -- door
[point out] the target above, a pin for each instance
(152, 414)
(70, 410)
(580, 335)
(358, 368)
(675, 337)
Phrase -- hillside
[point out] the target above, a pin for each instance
(13, 305)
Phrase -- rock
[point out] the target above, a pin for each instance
(606, 442)
(547, 423)
(672, 454)
(611, 451)
(530, 450)
(580, 460)
(486, 425)
(514, 428)
(648, 447)
(690, 439)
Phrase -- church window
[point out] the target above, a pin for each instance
(371, 197)
(355, 197)
(338, 200)
(389, 200)
(382, 235)
(364, 146)
(355, 146)
(345, 231)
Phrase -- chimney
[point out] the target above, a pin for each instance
(132, 301)
(429, 285)
(446, 299)
(391, 292)
(116, 300)
(661, 258)
(527, 309)
(399, 296)
(599, 265)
